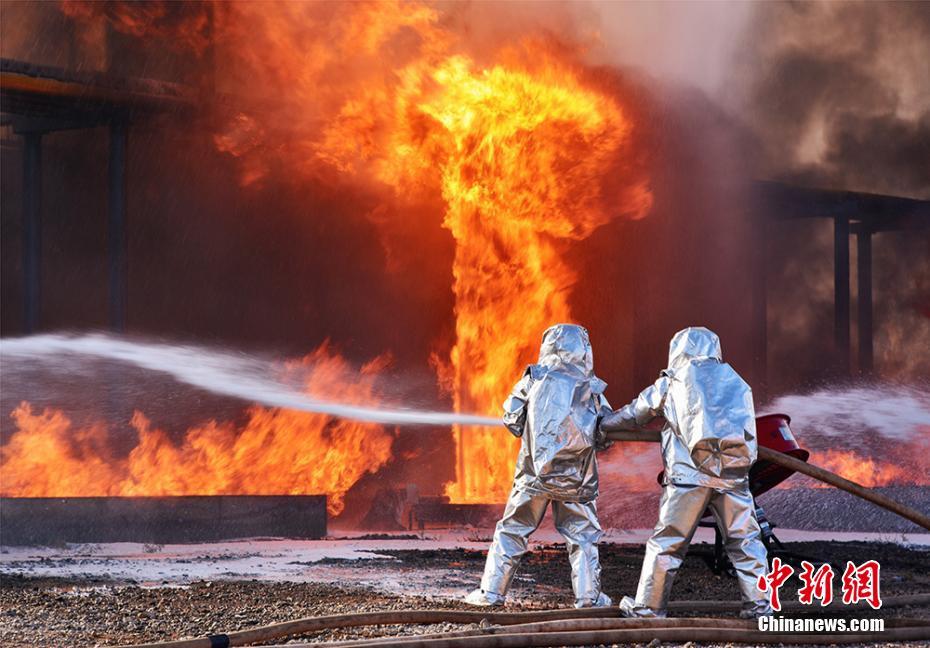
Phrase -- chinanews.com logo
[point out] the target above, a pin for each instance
(828, 626)
(859, 583)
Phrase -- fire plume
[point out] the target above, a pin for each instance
(522, 155)
(521, 176)
(275, 452)
(522, 149)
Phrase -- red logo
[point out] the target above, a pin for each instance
(861, 584)
(774, 580)
(817, 585)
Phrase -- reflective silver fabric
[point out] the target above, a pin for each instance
(708, 446)
(710, 434)
(555, 408)
(578, 524)
(679, 512)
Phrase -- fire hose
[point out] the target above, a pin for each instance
(642, 635)
(620, 631)
(587, 625)
(649, 628)
(595, 625)
(805, 468)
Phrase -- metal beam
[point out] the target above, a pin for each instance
(41, 90)
(24, 124)
(841, 293)
(791, 201)
(32, 231)
(116, 226)
(864, 288)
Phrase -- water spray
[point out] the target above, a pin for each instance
(218, 372)
(246, 377)
(249, 378)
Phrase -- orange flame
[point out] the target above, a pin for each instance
(523, 149)
(521, 177)
(862, 470)
(521, 154)
(276, 452)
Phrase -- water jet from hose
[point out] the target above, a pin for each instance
(222, 373)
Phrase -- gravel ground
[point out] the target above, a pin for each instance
(798, 507)
(81, 612)
(836, 510)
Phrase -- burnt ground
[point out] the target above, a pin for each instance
(80, 612)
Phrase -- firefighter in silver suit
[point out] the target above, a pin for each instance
(554, 408)
(708, 446)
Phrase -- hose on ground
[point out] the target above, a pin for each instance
(590, 624)
(810, 470)
(563, 625)
(646, 635)
(410, 617)
(387, 617)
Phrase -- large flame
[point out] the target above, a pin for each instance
(275, 452)
(522, 155)
(521, 175)
(523, 148)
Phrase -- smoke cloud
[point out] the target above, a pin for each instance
(838, 96)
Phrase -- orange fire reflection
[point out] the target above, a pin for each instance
(276, 452)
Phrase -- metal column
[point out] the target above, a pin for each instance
(841, 293)
(864, 288)
(32, 230)
(116, 226)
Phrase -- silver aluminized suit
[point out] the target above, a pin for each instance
(555, 408)
(708, 446)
